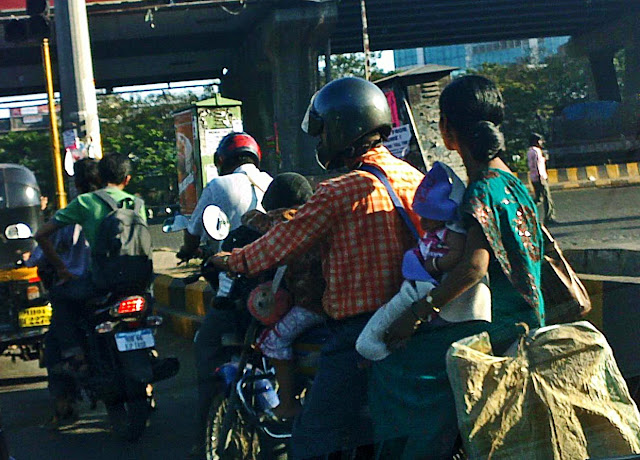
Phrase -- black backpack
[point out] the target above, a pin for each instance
(122, 250)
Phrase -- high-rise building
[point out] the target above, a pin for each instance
(475, 54)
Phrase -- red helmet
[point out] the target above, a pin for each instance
(234, 145)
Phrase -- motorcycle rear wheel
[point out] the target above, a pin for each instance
(242, 441)
(129, 418)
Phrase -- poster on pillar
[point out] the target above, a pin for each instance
(187, 167)
(399, 141)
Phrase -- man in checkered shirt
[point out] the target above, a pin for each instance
(363, 240)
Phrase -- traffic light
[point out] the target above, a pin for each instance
(35, 27)
(37, 7)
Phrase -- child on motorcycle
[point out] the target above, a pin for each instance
(304, 282)
(439, 250)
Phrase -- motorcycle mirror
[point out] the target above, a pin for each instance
(175, 224)
(18, 231)
(216, 223)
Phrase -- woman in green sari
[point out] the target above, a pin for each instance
(411, 400)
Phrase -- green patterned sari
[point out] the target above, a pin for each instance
(409, 394)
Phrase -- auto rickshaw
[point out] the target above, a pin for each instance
(25, 312)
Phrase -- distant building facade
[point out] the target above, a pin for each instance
(471, 56)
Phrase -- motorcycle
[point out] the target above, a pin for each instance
(122, 362)
(240, 423)
(25, 312)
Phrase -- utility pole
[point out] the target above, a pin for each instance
(61, 195)
(365, 41)
(80, 123)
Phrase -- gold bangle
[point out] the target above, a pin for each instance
(419, 319)
(434, 264)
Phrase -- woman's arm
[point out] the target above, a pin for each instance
(468, 273)
(455, 242)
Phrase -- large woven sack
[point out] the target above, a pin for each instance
(557, 395)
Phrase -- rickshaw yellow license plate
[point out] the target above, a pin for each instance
(35, 316)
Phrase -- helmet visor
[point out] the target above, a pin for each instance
(312, 123)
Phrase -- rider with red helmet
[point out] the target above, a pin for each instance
(238, 189)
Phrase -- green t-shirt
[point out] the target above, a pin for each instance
(88, 210)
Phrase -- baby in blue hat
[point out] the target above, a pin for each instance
(439, 250)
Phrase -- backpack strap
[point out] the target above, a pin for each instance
(137, 205)
(379, 173)
(114, 205)
(106, 198)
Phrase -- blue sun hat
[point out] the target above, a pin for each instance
(439, 194)
(437, 197)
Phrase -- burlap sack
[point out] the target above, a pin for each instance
(559, 395)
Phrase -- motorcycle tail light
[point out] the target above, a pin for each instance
(104, 328)
(131, 305)
(33, 292)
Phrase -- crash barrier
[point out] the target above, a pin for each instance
(590, 176)
(182, 306)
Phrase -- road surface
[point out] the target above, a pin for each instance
(25, 407)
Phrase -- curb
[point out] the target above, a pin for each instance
(183, 306)
(611, 175)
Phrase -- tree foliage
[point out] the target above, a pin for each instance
(31, 149)
(534, 93)
(352, 65)
(140, 127)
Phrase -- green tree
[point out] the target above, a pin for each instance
(30, 149)
(352, 65)
(142, 128)
(534, 93)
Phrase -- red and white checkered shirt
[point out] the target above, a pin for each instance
(362, 236)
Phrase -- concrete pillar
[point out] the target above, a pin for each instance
(275, 76)
(604, 76)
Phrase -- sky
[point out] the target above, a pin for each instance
(386, 61)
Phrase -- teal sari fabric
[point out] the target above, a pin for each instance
(410, 398)
(508, 216)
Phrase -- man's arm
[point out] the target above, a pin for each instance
(311, 222)
(189, 247)
(44, 241)
(193, 233)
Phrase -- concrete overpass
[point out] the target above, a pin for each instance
(271, 46)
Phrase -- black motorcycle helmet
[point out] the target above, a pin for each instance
(340, 114)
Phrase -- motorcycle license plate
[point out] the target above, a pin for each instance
(137, 340)
(35, 316)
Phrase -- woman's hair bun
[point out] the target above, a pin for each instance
(487, 141)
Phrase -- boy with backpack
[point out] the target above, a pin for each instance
(115, 226)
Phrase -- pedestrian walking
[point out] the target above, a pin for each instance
(537, 162)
